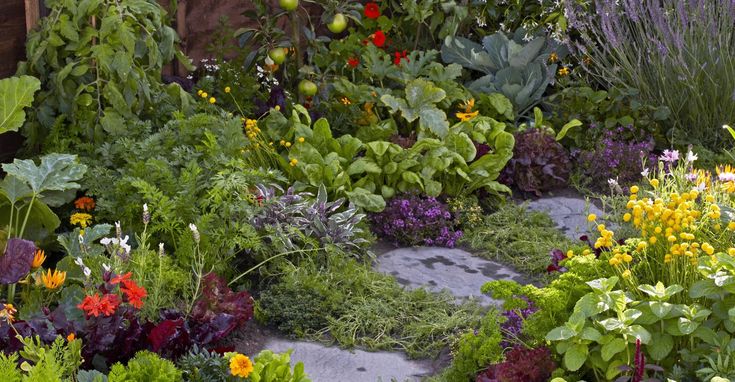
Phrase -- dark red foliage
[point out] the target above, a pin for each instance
(521, 365)
(218, 298)
(16, 261)
(539, 163)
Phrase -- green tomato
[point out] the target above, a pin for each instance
(288, 5)
(278, 55)
(307, 88)
(338, 24)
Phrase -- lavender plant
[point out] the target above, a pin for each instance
(678, 53)
(413, 219)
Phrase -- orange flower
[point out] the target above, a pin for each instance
(94, 305)
(85, 203)
(8, 313)
(71, 337)
(38, 259)
(241, 366)
(53, 280)
(121, 278)
(134, 293)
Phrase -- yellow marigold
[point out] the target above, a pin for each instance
(81, 219)
(38, 259)
(53, 280)
(241, 366)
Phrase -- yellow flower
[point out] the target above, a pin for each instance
(345, 101)
(8, 313)
(464, 117)
(570, 254)
(564, 71)
(227, 89)
(654, 183)
(38, 259)
(591, 217)
(199, 92)
(293, 162)
(626, 217)
(53, 280)
(301, 139)
(204, 95)
(626, 273)
(288, 144)
(553, 57)
(634, 189)
(212, 100)
(81, 219)
(241, 366)
(468, 114)
(278, 107)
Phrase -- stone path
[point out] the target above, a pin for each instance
(440, 268)
(569, 213)
(434, 268)
(329, 363)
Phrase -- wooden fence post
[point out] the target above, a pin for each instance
(181, 30)
(33, 13)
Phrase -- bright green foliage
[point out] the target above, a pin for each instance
(359, 307)
(476, 349)
(55, 362)
(145, 366)
(420, 104)
(271, 367)
(189, 171)
(29, 189)
(200, 365)
(513, 67)
(518, 237)
(99, 75)
(16, 93)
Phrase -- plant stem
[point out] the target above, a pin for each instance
(28, 213)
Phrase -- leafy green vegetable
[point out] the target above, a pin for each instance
(16, 93)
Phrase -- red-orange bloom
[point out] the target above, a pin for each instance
(378, 38)
(84, 203)
(372, 10)
(121, 278)
(134, 293)
(400, 56)
(94, 305)
(353, 62)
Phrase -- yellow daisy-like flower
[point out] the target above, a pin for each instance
(241, 366)
(553, 57)
(212, 100)
(227, 89)
(38, 259)
(7, 313)
(81, 219)
(564, 71)
(53, 280)
(467, 114)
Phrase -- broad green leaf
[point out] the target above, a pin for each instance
(16, 93)
(366, 199)
(14, 189)
(563, 132)
(613, 347)
(421, 97)
(58, 172)
(462, 145)
(660, 308)
(560, 333)
(575, 357)
(660, 346)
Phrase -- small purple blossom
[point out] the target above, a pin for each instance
(413, 219)
(670, 156)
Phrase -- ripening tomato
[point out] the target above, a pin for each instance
(338, 24)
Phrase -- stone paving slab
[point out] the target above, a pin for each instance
(332, 364)
(441, 268)
(569, 213)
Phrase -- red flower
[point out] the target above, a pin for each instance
(378, 38)
(353, 62)
(121, 278)
(399, 56)
(94, 305)
(134, 293)
(372, 11)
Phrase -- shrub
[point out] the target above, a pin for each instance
(145, 366)
(678, 39)
(539, 163)
(413, 219)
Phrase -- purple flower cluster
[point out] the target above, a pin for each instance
(617, 156)
(513, 325)
(413, 219)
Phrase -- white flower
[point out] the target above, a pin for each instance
(115, 242)
(701, 187)
(78, 261)
(145, 207)
(726, 176)
(106, 267)
(644, 173)
(691, 157)
(87, 272)
(612, 182)
(194, 232)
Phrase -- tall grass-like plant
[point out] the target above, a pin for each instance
(678, 53)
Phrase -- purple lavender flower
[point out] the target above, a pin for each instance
(513, 326)
(670, 156)
(412, 219)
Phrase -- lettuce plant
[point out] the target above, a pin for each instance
(539, 163)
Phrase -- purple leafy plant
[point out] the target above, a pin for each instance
(16, 261)
(539, 163)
